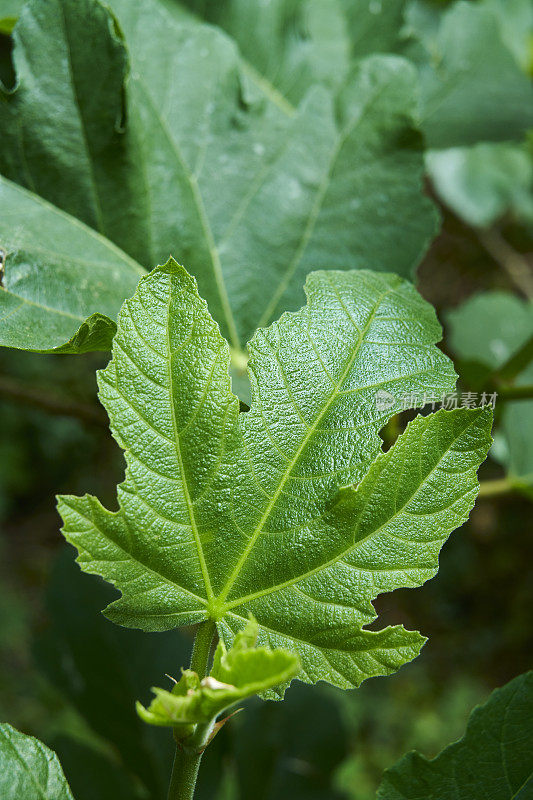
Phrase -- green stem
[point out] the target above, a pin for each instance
(189, 752)
(496, 487)
(202, 647)
(515, 264)
(516, 392)
(187, 763)
(19, 393)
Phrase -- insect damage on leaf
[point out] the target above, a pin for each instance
(290, 511)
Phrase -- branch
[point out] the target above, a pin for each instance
(515, 392)
(51, 403)
(497, 487)
(515, 264)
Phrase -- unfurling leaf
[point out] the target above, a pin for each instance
(237, 673)
(494, 759)
(28, 769)
(225, 514)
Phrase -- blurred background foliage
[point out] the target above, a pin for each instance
(70, 677)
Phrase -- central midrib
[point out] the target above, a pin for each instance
(309, 433)
(183, 476)
(201, 213)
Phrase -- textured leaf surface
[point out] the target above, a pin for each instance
(28, 769)
(202, 162)
(240, 672)
(58, 272)
(493, 760)
(469, 73)
(225, 513)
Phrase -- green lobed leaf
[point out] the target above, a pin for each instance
(495, 329)
(28, 769)
(185, 154)
(287, 45)
(63, 282)
(223, 514)
(240, 672)
(483, 183)
(467, 73)
(267, 197)
(493, 759)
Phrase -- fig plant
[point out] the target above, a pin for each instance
(293, 152)
(274, 527)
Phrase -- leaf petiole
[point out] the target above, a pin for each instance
(188, 755)
(202, 646)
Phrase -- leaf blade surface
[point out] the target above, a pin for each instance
(223, 514)
(29, 769)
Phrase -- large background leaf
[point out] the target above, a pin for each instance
(28, 769)
(58, 272)
(494, 758)
(214, 170)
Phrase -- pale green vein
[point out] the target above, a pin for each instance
(183, 475)
(58, 212)
(349, 550)
(305, 440)
(196, 195)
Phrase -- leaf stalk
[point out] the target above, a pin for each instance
(189, 752)
(496, 487)
(516, 392)
(201, 650)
